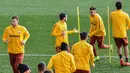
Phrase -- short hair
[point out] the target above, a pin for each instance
(118, 5)
(62, 15)
(23, 68)
(92, 8)
(64, 46)
(47, 71)
(41, 66)
(15, 17)
(83, 35)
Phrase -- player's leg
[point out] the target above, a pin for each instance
(119, 50)
(12, 62)
(19, 60)
(126, 50)
(58, 49)
(92, 42)
(100, 41)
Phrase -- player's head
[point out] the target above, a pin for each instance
(15, 20)
(41, 67)
(47, 71)
(92, 11)
(118, 5)
(64, 46)
(83, 35)
(63, 17)
(23, 68)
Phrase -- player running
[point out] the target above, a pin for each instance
(97, 31)
(119, 20)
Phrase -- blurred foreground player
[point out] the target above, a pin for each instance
(83, 55)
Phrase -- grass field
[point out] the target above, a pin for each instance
(39, 16)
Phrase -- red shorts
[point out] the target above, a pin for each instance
(15, 60)
(121, 41)
(99, 40)
(81, 71)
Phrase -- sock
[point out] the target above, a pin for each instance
(120, 56)
(126, 59)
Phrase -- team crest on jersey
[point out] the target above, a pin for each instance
(93, 22)
(18, 32)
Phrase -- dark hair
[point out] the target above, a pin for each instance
(92, 8)
(83, 35)
(62, 15)
(15, 17)
(41, 66)
(64, 46)
(23, 67)
(118, 5)
(47, 71)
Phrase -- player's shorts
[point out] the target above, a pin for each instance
(82, 71)
(121, 42)
(15, 60)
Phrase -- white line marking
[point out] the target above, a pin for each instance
(35, 55)
(49, 55)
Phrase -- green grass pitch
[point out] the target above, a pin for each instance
(39, 16)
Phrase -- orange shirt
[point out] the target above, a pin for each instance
(83, 55)
(63, 62)
(120, 20)
(57, 30)
(97, 26)
(15, 36)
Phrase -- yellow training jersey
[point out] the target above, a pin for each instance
(97, 26)
(63, 62)
(15, 36)
(57, 30)
(119, 21)
(83, 55)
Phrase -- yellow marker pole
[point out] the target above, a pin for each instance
(78, 19)
(109, 42)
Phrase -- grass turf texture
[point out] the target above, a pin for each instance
(38, 16)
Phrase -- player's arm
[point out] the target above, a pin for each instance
(98, 27)
(72, 31)
(54, 31)
(50, 64)
(91, 56)
(73, 67)
(26, 35)
(5, 37)
(128, 22)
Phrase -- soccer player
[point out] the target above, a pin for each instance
(119, 20)
(61, 33)
(97, 31)
(15, 36)
(83, 55)
(63, 61)
(41, 67)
